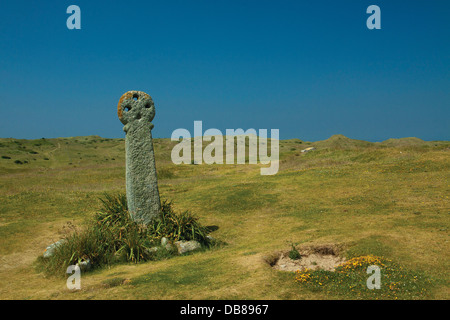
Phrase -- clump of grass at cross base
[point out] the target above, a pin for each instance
(113, 237)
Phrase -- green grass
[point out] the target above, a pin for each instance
(387, 199)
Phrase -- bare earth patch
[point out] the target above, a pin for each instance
(325, 257)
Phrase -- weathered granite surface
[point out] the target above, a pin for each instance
(186, 246)
(136, 110)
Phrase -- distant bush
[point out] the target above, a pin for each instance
(6, 157)
(18, 162)
(112, 237)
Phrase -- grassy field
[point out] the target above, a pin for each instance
(386, 199)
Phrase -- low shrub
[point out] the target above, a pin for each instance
(294, 254)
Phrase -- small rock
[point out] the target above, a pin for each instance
(50, 250)
(84, 265)
(164, 241)
(186, 246)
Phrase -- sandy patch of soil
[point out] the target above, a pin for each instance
(325, 257)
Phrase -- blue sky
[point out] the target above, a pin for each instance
(308, 68)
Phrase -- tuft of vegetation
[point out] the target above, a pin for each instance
(174, 226)
(113, 237)
(294, 254)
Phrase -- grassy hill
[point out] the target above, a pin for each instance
(388, 199)
(340, 141)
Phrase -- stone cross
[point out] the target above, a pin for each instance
(136, 110)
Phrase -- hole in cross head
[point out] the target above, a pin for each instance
(147, 105)
(135, 96)
(127, 108)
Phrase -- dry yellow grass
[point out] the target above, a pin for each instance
(384, 199)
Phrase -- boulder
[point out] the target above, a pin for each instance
(184, 246)
(50, 250)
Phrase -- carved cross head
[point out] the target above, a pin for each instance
(135, 106)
